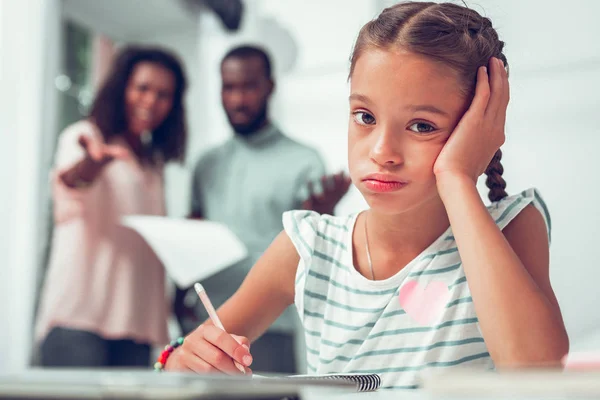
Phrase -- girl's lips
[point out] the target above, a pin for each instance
(378, 186)
(382, 183)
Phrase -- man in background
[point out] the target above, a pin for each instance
(247, 184)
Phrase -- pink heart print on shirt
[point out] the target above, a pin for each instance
(424, 304)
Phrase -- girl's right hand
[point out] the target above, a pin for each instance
(211, 350)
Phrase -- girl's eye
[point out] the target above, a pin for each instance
(421, 127)
(363, 118)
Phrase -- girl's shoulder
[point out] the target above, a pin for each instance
(299, 220)
(506, 210)
(305, 228)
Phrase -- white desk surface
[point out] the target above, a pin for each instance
(380, 395)
(462, 384)
(457, 385)
(423, 395)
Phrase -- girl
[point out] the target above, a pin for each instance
(104, 300)
(427, 277)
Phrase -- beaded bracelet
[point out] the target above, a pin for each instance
(162, 359)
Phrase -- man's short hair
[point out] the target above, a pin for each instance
(246, 52)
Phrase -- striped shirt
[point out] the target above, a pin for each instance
(421, 318)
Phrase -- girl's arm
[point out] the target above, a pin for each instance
(507, 272)
(508, 275)
(265, 293)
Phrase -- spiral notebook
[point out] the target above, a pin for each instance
(363, 382)
(60, 384)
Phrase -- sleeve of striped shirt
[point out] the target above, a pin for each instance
(301, 228)
(508, 208)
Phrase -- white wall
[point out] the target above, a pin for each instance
(22, 60)
(5, 142)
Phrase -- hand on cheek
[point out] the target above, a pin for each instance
(480, 132)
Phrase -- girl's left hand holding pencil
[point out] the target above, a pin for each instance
(211, 350)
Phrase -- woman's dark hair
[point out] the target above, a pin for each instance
(454, 35)
(108, 110)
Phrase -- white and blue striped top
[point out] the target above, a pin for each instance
(356, 325)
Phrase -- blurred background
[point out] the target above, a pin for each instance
(53, 54)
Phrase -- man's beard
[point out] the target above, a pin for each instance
(249, 128)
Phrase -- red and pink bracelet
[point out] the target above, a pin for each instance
(164, 355)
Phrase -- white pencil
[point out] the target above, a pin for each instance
(214, 317)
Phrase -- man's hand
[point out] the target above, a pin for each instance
(334, 188)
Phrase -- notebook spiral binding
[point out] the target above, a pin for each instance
(364, 382)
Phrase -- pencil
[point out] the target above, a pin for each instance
(214, 317)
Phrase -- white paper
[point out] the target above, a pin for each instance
(191, 250)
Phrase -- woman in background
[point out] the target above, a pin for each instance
(103, 302)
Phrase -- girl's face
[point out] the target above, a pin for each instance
(148, 97)
(403, 108)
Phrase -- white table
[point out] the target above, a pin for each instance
(460, 385)
(423, 395)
